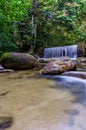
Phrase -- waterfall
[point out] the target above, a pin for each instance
(70, 51)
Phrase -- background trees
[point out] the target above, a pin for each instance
(11, 12)
(36, 24)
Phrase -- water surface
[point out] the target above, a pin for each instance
(38, 103)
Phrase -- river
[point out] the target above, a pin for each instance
(38, 103)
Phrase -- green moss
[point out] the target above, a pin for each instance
(5, 56)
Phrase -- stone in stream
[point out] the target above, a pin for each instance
(4, 93)
(73, 112)
(42, 62)
(81, 61)
(6, 71)
(5, 121)
(18, 61)
(3, 70)
(81, 49)
(58, 67)
(75, 74)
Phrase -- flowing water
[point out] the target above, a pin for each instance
(70, 51)
(43, 103)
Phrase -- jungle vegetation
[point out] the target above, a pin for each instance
(31, 25)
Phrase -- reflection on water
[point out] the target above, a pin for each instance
(38, 103)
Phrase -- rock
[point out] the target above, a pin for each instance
(81, 61)
(47, 60)
(5, 121)
(3, 93)
(58, 67)
(18, 61)
(6, 71)
(82, 49)
(75, 74)
(42, 62)
(71, 112)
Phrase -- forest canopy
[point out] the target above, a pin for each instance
(28, 25)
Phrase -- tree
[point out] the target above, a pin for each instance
(33, 24)
(13, 12)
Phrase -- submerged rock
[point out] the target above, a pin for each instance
(18, 61)
(5, 121)
(75, 74)
(58, 67)
(3, 93)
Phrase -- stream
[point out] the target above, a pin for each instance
(38, 102)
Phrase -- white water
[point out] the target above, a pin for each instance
(70, 51)
(73, 84)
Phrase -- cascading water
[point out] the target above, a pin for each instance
(70, 51)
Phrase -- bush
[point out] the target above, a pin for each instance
(6, 44)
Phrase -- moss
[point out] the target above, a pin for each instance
(4, 56)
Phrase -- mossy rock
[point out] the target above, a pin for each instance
(18, 61)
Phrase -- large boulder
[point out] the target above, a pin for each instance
(58, 67)
(18, 61)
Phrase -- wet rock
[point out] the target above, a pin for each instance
(6, 71)
(5, 121)
(81, 62)
(75, 74)
(58, 67)
(82, 49)
(47, 60)
(73, 112)
(42, 62)
(3, 93)
(18, 61)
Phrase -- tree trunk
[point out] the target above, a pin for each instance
(34, 23)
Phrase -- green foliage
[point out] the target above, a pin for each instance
(6, 44)
(11, 12)
(60, 23)
(33, 24)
